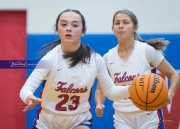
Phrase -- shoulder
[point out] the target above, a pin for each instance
(52, 54)
(112, 52)
(55, 49)
(145, 47)
(142, 47)
(141, 44)
(97, 56)
(98, 59)
(144, 44)
(150, 49)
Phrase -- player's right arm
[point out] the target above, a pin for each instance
(33, 82)
(99, 100)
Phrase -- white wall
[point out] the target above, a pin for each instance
(155, 16)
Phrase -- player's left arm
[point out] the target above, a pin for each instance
(157, 60)
(165, 68)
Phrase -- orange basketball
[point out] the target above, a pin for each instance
(149, 92)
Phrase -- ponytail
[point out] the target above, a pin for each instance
(158, 43)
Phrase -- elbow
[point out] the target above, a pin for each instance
(21, 94)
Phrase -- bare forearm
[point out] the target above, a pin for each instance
(99, 96)
(175, 83)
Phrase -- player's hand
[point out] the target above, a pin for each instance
(99, 110)
(169, 99)
(32, 103)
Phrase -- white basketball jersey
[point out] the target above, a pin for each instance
(123, 72)
(67, 93)
(67, 90)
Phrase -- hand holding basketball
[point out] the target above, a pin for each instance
(149, 92)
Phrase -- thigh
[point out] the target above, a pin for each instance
(83, 126)
(86, 121)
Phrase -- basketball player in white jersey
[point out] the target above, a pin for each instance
(130, 58)
(69, 70)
